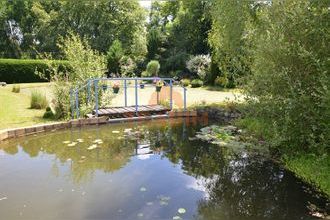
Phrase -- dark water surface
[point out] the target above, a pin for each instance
(150, 172)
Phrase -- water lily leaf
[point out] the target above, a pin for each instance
(80, 140)
(150, 203)
(3, 198)
(66, 142)
(92, 147)
(163, 203)
(140, 215)
(181, 210)
(177, 218)
(115, 132)
(72, 144)
(142, 189)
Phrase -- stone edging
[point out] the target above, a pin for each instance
(24, 131)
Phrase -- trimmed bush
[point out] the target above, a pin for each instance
(48, 114)
(221, 81)
(153, 68)
(23, 71)
(196, 83)
(185, 82)
(16, 89)
(38, 100)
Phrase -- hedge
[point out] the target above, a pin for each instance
(23, 71)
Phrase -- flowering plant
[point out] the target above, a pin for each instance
(115, 84)
(159, 83)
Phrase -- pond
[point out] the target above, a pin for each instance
(145, 170)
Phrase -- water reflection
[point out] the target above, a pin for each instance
(224, 185)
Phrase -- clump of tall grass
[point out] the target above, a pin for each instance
(38, 100)
(16, 88)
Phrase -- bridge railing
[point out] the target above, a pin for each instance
(88, 93)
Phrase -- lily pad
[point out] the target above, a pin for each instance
(140, 215)
(163, 203)
(3, 198)
(115, 132)
(66, 142)
(181, 210)
(143, 189)
(92, 147)
(150, 203)
(80, 140)
(97, 141)
(177, 218)
(72, 144)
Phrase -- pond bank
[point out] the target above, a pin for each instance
(309, 167)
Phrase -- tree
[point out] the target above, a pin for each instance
(289, 88)
(115, 53)
(39, 24)
(228, 38)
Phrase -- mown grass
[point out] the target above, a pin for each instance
(15, 108)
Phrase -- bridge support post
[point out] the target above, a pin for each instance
(136, 98)
(96, 81)
(71, 103)
(171, 94)
(88, 91)
(184, 98)
(125, 92)
(77, 104)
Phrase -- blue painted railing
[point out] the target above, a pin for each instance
(74, 92)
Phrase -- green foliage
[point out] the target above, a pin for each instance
(127, 66)
(185, 82)
(196, 83)
(48, 114)
(16, 89)
(229, 38)
(38, 24)
(38, 100)
(114, 54)
(153, 68)
(23, 71)
(199, 65)
(177, 30)
(289, 89)
(221, 81)
(85, 63)
(312, 168)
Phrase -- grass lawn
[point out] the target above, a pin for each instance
(15, 107)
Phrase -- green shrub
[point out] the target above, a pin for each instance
(153, 68)
(199, 65)
(16, 89)
(23, 71)
(185, 82)
(49, 113)
(289, 88)
(38, 100)
(221, 81)
(196, 83)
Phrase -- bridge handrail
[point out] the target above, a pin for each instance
(74, 92)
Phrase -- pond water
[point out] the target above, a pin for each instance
(145, 170)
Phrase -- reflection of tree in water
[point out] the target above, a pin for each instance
(239, 186)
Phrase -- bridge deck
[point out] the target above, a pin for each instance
(129, 111)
